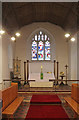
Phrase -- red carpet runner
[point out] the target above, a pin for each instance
(45, 99)
(46, 112)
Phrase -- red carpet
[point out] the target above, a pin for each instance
(45, 99)
(46, 112)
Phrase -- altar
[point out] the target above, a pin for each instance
(41, 82)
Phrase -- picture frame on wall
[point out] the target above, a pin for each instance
(17, 67)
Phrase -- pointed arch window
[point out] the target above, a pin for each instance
(41, 47)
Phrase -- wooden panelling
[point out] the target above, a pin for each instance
(12, 83)
(73, 101)
(73, 104)
(0, 94)
(10, 110)
(75, 92)
(18, 14)
(8, 95)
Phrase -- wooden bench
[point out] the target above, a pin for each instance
(11, 101)
(73, 101)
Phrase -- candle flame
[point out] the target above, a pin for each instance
(41, 66)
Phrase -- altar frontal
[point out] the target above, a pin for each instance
(41, 75)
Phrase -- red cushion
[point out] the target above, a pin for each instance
(43, 99)
(47, 112)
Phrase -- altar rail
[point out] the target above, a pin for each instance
(56, 87)
(34, 80)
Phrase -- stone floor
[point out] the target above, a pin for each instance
(23, 109)
(55, 88)
(61, 90)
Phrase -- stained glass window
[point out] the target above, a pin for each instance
(45, 37)
(40, 32)
(40, 51)
(41, 47)
(38, 37)
(47, 50)
(34, 50)
(35, 37)
(42, 37)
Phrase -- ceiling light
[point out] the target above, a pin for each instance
(17, 34)
(2, 32)
(67, 35)
(13, 38)
(72, 39)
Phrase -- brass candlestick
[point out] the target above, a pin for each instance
(66, 66)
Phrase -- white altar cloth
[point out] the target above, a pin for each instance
(41, 82)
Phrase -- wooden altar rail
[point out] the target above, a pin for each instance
(61, 80)
(34, 80)
(50, 80)
(17, 80)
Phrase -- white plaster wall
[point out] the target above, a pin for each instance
(0, 63)
(69, 60)
(78, 56)
(73, 59)
(7, 58)
(58, 35)
(0, 46)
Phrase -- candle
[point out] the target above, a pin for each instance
(41, 72)
(41, 66)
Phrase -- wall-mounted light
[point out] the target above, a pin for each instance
(13, 38)
(67, 35)
(2, 32)
(72, 39)
(17, 34)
